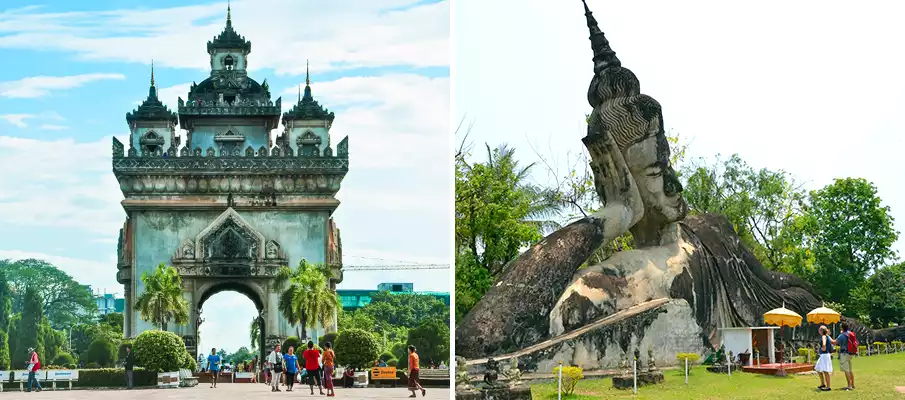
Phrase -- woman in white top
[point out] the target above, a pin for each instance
(275, 363)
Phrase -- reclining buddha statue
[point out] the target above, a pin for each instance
(689, 275)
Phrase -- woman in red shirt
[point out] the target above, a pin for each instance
(414, 381)
(313, 367)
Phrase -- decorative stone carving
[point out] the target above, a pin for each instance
(342, 150)
(492, 372)
(514, 374)
(463, 380)
(230, 237)
(651, 365)
(186, 250)
(697, 263)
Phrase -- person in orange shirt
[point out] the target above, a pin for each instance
(414, 382)
(329, 358)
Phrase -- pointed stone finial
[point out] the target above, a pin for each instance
(152, 72)
(229, 17)
(307, 74)
(604, 56)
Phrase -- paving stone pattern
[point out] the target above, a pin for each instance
(225, 391)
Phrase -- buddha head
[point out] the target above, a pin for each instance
(635, 122)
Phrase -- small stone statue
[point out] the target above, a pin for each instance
(513, 373)
(462, 378)
(623, 363)
(651, 366)
(492, 373)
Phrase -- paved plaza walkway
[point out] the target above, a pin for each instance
(224, 391)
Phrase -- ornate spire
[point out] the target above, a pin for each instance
(152, 91)
(152, 72)
(307, 108)
(604, 56)
(229, 39)
(307, 74)
(229, 18)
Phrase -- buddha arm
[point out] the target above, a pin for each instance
(515, 311)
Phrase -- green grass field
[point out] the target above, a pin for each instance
(875, 379)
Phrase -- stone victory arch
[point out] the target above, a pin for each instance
(229, 206)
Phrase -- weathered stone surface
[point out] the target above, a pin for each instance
(517, 392)
(644, 379)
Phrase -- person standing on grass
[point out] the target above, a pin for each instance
(312, 366)
(824, 365)
(848, 345)
(329, 363)
(275, 361)
(292, 368)
(127, 365)
(34, 364)
(414, 380)
(213, 365)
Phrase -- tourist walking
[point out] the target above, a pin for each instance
(329, 363)
(414, 380)
(292, 368)
(848, 345)
(34, 364)
(275, 361)
(824, 365)
(127, 365)
(213, 365)
(312, 366)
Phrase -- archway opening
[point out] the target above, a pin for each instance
(227, 312)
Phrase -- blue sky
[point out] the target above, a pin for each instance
(72, 70)
(810, 87)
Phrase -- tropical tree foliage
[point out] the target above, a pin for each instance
(28, 335)
(162, 301)
(306, 298)
(64, 301)
(254, 333)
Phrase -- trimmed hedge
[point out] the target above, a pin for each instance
(329, 337)
(113, 377)
(160, 351)
(356, 348)
(64, 359)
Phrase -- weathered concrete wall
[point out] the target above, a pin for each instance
(302, 235)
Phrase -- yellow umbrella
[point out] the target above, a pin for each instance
(782, 317)
(823, 315)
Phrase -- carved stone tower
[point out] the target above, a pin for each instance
(226, 207)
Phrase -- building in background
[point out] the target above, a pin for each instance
(109, 303)
(353, 299)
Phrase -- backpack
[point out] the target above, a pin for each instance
(852, 343)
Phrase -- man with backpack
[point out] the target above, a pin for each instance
(848, 346)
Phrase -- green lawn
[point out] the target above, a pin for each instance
(875, 379)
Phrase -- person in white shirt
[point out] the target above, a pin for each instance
(275, 363)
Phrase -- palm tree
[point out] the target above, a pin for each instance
(254, 333)
(306, 299)
(162, 299)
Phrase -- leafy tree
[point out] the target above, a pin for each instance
(760, 204)
(852, 235)
(356, 320)
(4, 351)
(404, 309)
(84, 335)
(52, 340)
(497, 214)
(29, 331)
(6, 305)
(114, 320)
(356, 348)
(102, 352)
(63, 360)
(64, 300)
(12, 337)
(240, 356)
(431, 338)
(328, 337)
(306, 298)
(881, 298)
(161, 300)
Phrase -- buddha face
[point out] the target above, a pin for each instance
(658, 185)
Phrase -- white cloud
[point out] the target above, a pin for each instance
(340, 34)
(39, 86)
(17, 119)
(51, 127)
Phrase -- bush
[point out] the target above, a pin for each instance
(291, 341)
(692, 358)
(570, 378)
(71, 366)
(189, 362)
(392, 362)
(803, 352)
(159, 351)
(52, 366)
(387, 356)
(63, 359)
(4, 350)
(100, 352)
(121, 354)
(92, 365)
(880, 347)
(356, 348)
(110, 377)
(862, 350)
(329, 337)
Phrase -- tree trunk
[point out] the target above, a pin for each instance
(515, 311)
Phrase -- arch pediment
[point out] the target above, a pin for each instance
(230, 237)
